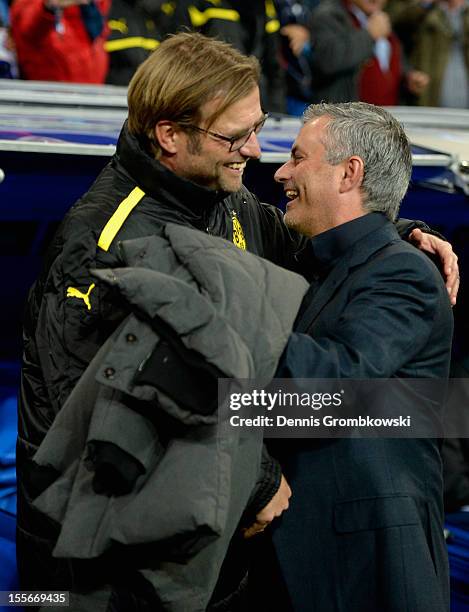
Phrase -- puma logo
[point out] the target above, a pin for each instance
(76, 293)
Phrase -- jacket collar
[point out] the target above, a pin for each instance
(160, 183)
(358, 254)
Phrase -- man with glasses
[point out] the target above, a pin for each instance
(194, 115)
(237, 141)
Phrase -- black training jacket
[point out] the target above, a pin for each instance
(69, 314)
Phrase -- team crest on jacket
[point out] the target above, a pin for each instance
(76, 293)
(238, 235)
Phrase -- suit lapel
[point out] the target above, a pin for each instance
(361, 251)
(323, 295)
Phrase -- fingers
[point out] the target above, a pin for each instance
(256, 528)
(297, 36)
(277, 505)
(449, 260)
(296, 47)
(452, 285)
(416, 235)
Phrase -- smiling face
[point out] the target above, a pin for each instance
(311, 184)
(210, 163)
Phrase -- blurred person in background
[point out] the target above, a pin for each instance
(296, 53)
(134, 33)
(4, 12)
(251, 27)
(436, 37)
(8, 63)
(385, 75)
(61, 40)
(355, 55)
(161, 11)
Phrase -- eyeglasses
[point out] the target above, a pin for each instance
(236, 142)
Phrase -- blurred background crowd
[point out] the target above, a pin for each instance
(388, 52)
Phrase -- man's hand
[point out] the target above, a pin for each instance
(278, 504)
(417, 81)
(297, 36)
(449, 259)
(379, 25)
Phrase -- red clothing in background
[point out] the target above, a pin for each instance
(378, 87)
(374, 85)
(50, 49)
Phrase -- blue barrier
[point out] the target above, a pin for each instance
(8, 429)
(8, 575)
(8, 572)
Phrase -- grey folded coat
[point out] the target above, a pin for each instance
(236, 311)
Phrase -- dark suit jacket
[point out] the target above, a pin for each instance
(364, 531)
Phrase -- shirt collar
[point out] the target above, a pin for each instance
(324, 250)
(359, 14)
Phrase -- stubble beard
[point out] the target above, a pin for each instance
(231, 186)
(289, 221)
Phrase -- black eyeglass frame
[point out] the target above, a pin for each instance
(231, 139)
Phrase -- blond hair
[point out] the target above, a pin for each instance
(180, 76)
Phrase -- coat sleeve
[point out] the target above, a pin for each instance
(76, 313)
(267, 485)
(396, 300)
(214, 21)
(30, 19)
(274, 83)
(338, 45)
(407, 17)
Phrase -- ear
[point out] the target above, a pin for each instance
(353, 171)
(167, 135)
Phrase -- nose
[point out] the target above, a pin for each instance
(251, 148)
(283, 173)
